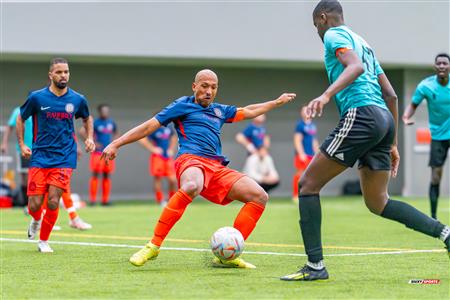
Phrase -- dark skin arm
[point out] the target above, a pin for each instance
(409, 112)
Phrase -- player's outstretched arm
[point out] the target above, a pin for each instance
(131, 136)
(20, 129)
(408, 113)
(253, 110)
(353, 68)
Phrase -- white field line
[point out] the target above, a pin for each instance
(207, 250)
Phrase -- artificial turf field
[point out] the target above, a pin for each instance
(366, 256)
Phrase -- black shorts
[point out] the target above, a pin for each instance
(364, 133)
(438, 153)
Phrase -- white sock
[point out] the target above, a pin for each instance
(316, 266)
(445, 233)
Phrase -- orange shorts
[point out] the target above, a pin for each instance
(40, 178)
(161, 166)
(302, 165)
(218, 178)
(99, 165)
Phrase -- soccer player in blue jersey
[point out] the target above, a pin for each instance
(105, 130)
(161, 144)
(54, 151)
(436, 91)
(366, 132)
(200, 165)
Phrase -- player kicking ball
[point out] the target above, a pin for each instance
(200, 166)
(366, 132)
(54, 153)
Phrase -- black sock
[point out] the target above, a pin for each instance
(310, 222)
(412, 218)
(434, 195)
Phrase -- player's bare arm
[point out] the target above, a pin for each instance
(253, 110)
(241, 139)
(6, 135)
(353, 68)
(298, 139)
(89, 130)
(144, 142)
(409, 112)
(173, 146)
(391, 99)
(20, 129)
(131, 136)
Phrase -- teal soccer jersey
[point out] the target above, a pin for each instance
(438, 101)
(365, 90)
(28, 130)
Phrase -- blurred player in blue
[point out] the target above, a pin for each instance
(54, 150)
(259, 164)
(436, 91)
(200, 165)
(367, 132)
(162, 146)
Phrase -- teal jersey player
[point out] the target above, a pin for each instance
(365, 90)
(438, 102)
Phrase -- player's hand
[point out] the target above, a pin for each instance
(109, 153)
(4, 148)
(407, 121)
(395, 161)
(315, 106)
(25, 151)
(285, 98)
(158, 151)
(79, 152)
(250, 148)
(302, 157)
(89, 145)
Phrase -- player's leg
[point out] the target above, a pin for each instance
(50, 217)
(374, 184)
(157, 188)
(436, 175)
(35, 211)
(75, 220)
(106, 188)
(93, 186)
(172, 180)
(23, 187)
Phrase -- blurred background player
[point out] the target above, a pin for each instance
(436, 90)
(161, 144)
(54, 152)
(22, 162)
(306, 145)
(105, 130)
(259, 164)
(200, 166)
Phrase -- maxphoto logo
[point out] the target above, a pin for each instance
(424, 281)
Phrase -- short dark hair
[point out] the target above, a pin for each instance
(442, 55)
(100, 106)
(58, 60)
(328, 6)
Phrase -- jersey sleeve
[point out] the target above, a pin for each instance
(299, 128)
(13, 117)
(378, 69)
(335, 39)
(171, 112)
(247, 132)
(83, 110)
(28, 108)
(230, 112)
(419, 95)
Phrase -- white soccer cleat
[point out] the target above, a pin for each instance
(79, 224)
(56, 228)
(33, 228)
(44, 247)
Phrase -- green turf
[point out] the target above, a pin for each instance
(75, 271)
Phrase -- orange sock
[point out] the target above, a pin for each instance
(248, 217)
(36, 215)
(295, 183)
(93, 188)
(48, 222)
(159, 196)
(68, 204)
(106, 186)
(171, 193)
(170, 215)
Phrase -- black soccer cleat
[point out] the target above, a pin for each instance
(307, 274)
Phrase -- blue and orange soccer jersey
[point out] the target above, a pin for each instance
(309, 131)
(161, 138)
(198, 128)
(54, 145)
(255, 134)
(104, 130)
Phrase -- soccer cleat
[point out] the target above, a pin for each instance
(445, 237)
(33, 228)
(78, 223)
(307, 274)
(44, 247)
(149, 252)
(56, 228)
(235, 263)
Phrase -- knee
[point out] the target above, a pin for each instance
(376, 206)
(34, 205)
(95, 174)
(106, 175)
(306, 186)
(53, 202)
(260, 196)
(191, 188)
(435, 176)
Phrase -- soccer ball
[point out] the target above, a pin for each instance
(227, 243)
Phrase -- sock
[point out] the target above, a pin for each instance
(68, 204)
(159, 196)
(93, 188)
(316, 266)
(106, 186)
(36, 215)
(247, 218)
(412, 218)
(171, 193)
(23, 190)
(434, 195)
(310, 224)
(295, 184)
(48, 222)
(170, 215)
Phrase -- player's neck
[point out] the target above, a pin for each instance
(57, 91)
(443, 80)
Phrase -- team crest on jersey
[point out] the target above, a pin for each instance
(218, 112)
(69, 108)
